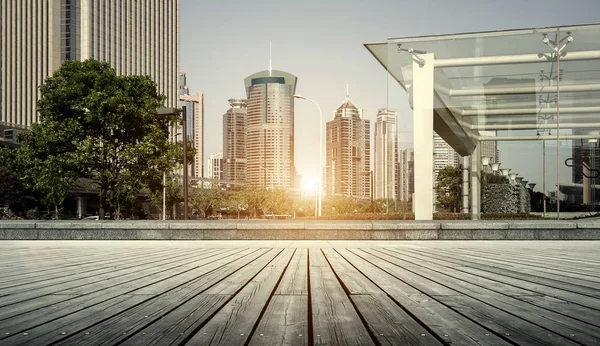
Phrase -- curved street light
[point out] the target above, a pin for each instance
(320, 192)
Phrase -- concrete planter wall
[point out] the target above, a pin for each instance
(300, 230)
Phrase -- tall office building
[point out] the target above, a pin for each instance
(194, 106)
(443, 155)
(489, 149)
(215, 166)
(406, 174)
(135, 37)
(348, 158)
(385, 154)
(234, 143)
(270, 129)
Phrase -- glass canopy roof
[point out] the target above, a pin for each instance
(516, 80)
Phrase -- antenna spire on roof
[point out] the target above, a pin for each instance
(347, 91)
(270, 58)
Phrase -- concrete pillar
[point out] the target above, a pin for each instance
(476, 183)
(465, 184)
(423, 136)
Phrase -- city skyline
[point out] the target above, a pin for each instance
(327, 57)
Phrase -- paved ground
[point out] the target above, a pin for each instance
(299, 293)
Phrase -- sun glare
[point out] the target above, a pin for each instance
(309, 186)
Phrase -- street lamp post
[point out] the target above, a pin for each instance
(185, 167)
(169, 111)
(320, 192)
(164, 204)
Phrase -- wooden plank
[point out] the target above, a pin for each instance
(517, 330)
(47, 333)
(98, 282)
(546, 266)
(335, 321)
(234, 323)
(562, 276)
(553, 322)
(388, 322)
(518, 296)
(353, 281)
(285, 322)
(69, 303)
(22, 265)
(295, 278)
(33, 281)
(447, 324)
(132, 318)
(521, 281)
(121, 326)
(185, 314)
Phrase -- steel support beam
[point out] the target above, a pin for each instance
(519, 90)
(517, 59)
(532, 126)
(476, 183)
(535, 138)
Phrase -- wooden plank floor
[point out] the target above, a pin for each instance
(299, 293)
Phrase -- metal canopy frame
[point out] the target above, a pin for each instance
(509, 85)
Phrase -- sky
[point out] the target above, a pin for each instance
(321, 42)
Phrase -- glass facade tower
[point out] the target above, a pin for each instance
(270, 129)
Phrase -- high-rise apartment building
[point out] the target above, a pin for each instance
(348, 153)
(135, 37)
(194, 107)
(215, 166)
(443, 155)
(489, 149)
(234, 143)
(385, 154)
(270, 129)
(406, 174)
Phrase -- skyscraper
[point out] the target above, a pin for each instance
(135, 37)
(194, 105)
(348, 153)
(443, 155)
(385, 154)
(406, 174)
(270, 129)
(489, 149)
(234, 143)
(215, 166)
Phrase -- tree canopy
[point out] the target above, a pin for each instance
(95, 124)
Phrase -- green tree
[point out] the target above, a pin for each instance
(47, 162)
(278, 201)
(173, 191)
(339, 205)
(235, 202)
(109, 131)
(207, 200)
(256, 200)
(449, 188)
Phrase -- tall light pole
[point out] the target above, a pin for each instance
(320, 192)
(185, 167)
(164, 204)
(169, 111)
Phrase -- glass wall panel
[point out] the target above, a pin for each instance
(527, 101)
